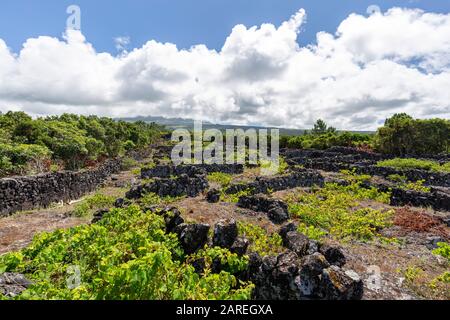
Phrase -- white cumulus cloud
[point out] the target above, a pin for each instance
(371, 68)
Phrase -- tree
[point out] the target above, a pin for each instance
(402, 135)
(320, 127)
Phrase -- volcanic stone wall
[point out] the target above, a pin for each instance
(183, 185)
(191, 170)
(430, 178)
(31, 192)
(436, 198)
(306, 178)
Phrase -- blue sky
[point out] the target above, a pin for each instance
(182, 22)
(276, 74)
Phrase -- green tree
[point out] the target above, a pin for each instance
(403, 135)
(320, 127)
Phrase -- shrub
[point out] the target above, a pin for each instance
(401, 134)
(443, 250)
(23, 158)
(234, 197)
(74, 140)
(260, 241)
(129, 145)
(229, 262)
(334, 209)
(223, 179)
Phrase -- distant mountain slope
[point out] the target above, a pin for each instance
(176, 123)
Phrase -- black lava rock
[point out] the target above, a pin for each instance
(225, 233)
(296, 242)
(240, 246)
(192, 237)
(99, 215)
(213, 196)
(333, 254)
(339, 285)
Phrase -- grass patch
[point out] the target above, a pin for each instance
(426, 285)
(151, 199)
(270, 167)
(411, 163)
(90, 204)
(352, 177)
(128, 163)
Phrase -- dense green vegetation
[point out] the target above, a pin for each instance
(69, 141)
(402, 135)
(443, 250)
(125, 256)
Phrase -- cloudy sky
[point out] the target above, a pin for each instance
(278, 63)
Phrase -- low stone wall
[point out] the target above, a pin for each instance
(31, 192)
(340, 158)
(430, 178)
(331, 153)
(183, 185)
(191, 170)
(306, 178)
(436, 199)
(339, 151)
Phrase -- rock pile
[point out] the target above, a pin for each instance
(301, 273)
(225, 233)
(277, 210)
(213, 196)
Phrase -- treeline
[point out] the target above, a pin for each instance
(324, 137)
(69, 141)
(401, 135)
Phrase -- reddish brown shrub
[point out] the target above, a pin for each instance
(420, 221)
